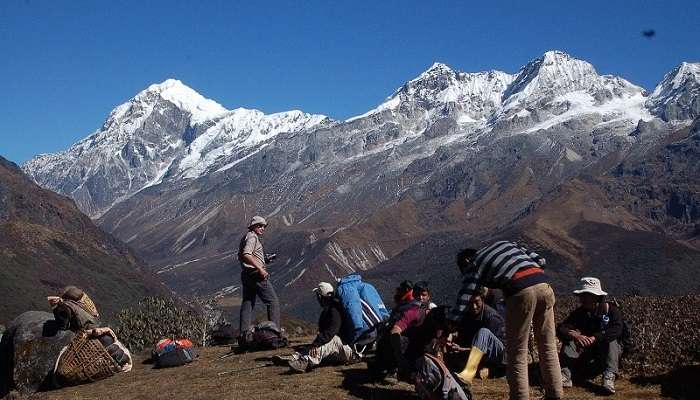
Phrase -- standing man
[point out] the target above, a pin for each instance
(255, 280)
(529, 300)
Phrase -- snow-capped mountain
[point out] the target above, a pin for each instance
(557, 87)
(167, 130)
(448, 153)
(676, 97)
(441, 90)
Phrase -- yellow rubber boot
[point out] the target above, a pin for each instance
(467, 375)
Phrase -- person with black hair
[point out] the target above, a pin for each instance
(529, 301)
(591, 337)
(400, 330)
(481, 334)
(421, 292)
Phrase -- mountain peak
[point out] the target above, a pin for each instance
(182, 96)
(556, 72)
(439, 67)
(556, 56)
(675, 97)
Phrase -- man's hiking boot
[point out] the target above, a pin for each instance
(609, 382)
(300, 364)
(282, 360)
(354, 358)
(566, 378)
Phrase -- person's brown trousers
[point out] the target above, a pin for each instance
(535, 305)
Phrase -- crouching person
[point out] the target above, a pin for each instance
(481, 335)
(328, 346)
(401, 340)
(591, 337)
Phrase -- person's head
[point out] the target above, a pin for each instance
(257, 224)
(324, 293)
(71, 293)
(421, 292)
(404, 292)
(464, 260)
(476, 303)
(590, 293)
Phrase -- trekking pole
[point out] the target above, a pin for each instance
(245, 369)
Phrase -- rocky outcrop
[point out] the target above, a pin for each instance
(30, 349)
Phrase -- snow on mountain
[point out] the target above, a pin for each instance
(164, 126)
(170, 132)
(676, 96)
(478, 94)
(239, 129)
(557, 87)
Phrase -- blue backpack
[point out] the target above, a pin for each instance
(363, 307)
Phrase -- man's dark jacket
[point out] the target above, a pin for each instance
(590, 324)
(329, 323)
(488, 318)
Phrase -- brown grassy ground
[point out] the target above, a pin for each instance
(199, 380)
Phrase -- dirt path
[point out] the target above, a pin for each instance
(199, 380)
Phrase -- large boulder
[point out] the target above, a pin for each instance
(28, 352)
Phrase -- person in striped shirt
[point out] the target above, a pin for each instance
(529, 300)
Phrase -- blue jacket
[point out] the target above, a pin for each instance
(363, 307)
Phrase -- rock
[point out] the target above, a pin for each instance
(29, 350)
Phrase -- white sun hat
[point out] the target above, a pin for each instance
(257, 220)
(590, 285)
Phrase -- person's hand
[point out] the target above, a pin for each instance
(313, 352)
(264, 274)
(53, 300)
(584, 341)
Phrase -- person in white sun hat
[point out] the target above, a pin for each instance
(255, 280)
(591, 337)
(327, 347)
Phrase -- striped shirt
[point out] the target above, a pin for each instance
(493, 267)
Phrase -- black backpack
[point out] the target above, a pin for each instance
(626, 337)
(267, 336)
(435, 382)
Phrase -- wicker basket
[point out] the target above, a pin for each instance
(84, 360)
(87, 305)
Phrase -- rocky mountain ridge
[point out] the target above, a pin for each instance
(450, 158)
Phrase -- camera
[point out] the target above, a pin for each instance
(270, 257)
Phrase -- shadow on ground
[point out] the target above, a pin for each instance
(682, 383)
(358, 384)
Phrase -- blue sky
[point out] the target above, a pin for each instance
(65, 64)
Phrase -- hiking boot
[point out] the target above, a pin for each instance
(281, 360)
(354, 358)
(566, 378)
(392, 378)
(609, 382)
(300, 364)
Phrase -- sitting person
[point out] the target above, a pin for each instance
(328, 345)
(481, 332)
(400, 329)
(421, 292)
(591, 337)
